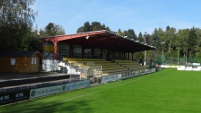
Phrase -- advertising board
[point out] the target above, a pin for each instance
(77, 85)
(11, 97)
(35, 93)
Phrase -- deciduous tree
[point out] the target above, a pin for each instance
(53, 29)
(16, 19)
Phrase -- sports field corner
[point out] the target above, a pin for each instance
(167, 91)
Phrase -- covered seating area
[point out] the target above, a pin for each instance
(96, 44)
(106, 67)
(94, 55)
(102, 71)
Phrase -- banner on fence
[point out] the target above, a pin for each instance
(34, 93)
(11, 97)
(77, 85)
(126, 75)
(111, 78)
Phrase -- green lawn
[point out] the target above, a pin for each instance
(167, 91)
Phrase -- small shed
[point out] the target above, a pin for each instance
(22, 62)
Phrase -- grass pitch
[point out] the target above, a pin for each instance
(167, 91)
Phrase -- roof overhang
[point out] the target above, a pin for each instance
(20, 54)
(101, 39)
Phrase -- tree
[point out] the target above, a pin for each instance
(86, 27)
(192, 42)
(16, 18)
(148, 39)
(198, 46)
(170, 35)
(94, 26)
(181, 41)
(131, 34)
(34, 42)
(155, 39)
(52, 29)
(140, 38)
(120, 32)
(80, 29)
(163, 45)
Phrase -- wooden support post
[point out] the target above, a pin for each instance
(70, 50)
(128, 55)
(83, 48)
(92, 52)
(55, 49)
(101, 53)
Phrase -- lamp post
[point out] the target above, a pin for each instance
(145, 52)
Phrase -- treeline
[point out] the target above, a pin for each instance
(185, 42)
(17, 33)
(172, 42)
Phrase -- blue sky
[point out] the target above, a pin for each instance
(139, 15)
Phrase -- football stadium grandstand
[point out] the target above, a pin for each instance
(93, 55)
(76, 61)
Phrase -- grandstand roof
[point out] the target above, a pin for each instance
(101, 39)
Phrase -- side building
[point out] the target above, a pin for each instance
(22, 62)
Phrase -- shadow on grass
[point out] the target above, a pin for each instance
(54, 107)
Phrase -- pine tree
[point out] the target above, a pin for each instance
(192, 42)
(140, 38)
(155, 39)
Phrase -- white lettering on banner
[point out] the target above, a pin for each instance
(34, 93)
(4, 98)
(18, 95)
(110, 78)
(77, 85)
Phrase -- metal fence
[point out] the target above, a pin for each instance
(177, 60)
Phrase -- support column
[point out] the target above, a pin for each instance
(128, 55)
(83, 48)
(70, 50)
(60, 55)
(92, 52)
(121, 54)
(101, 53)
(108, 55)
(55, 49)
(114, 54)
(114, 57)
(124, 55)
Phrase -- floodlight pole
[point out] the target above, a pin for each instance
(145, 57)
(145, 53)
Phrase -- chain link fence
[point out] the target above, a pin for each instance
(164, 60)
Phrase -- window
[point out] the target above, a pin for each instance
(33, 60)
(12, 61)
